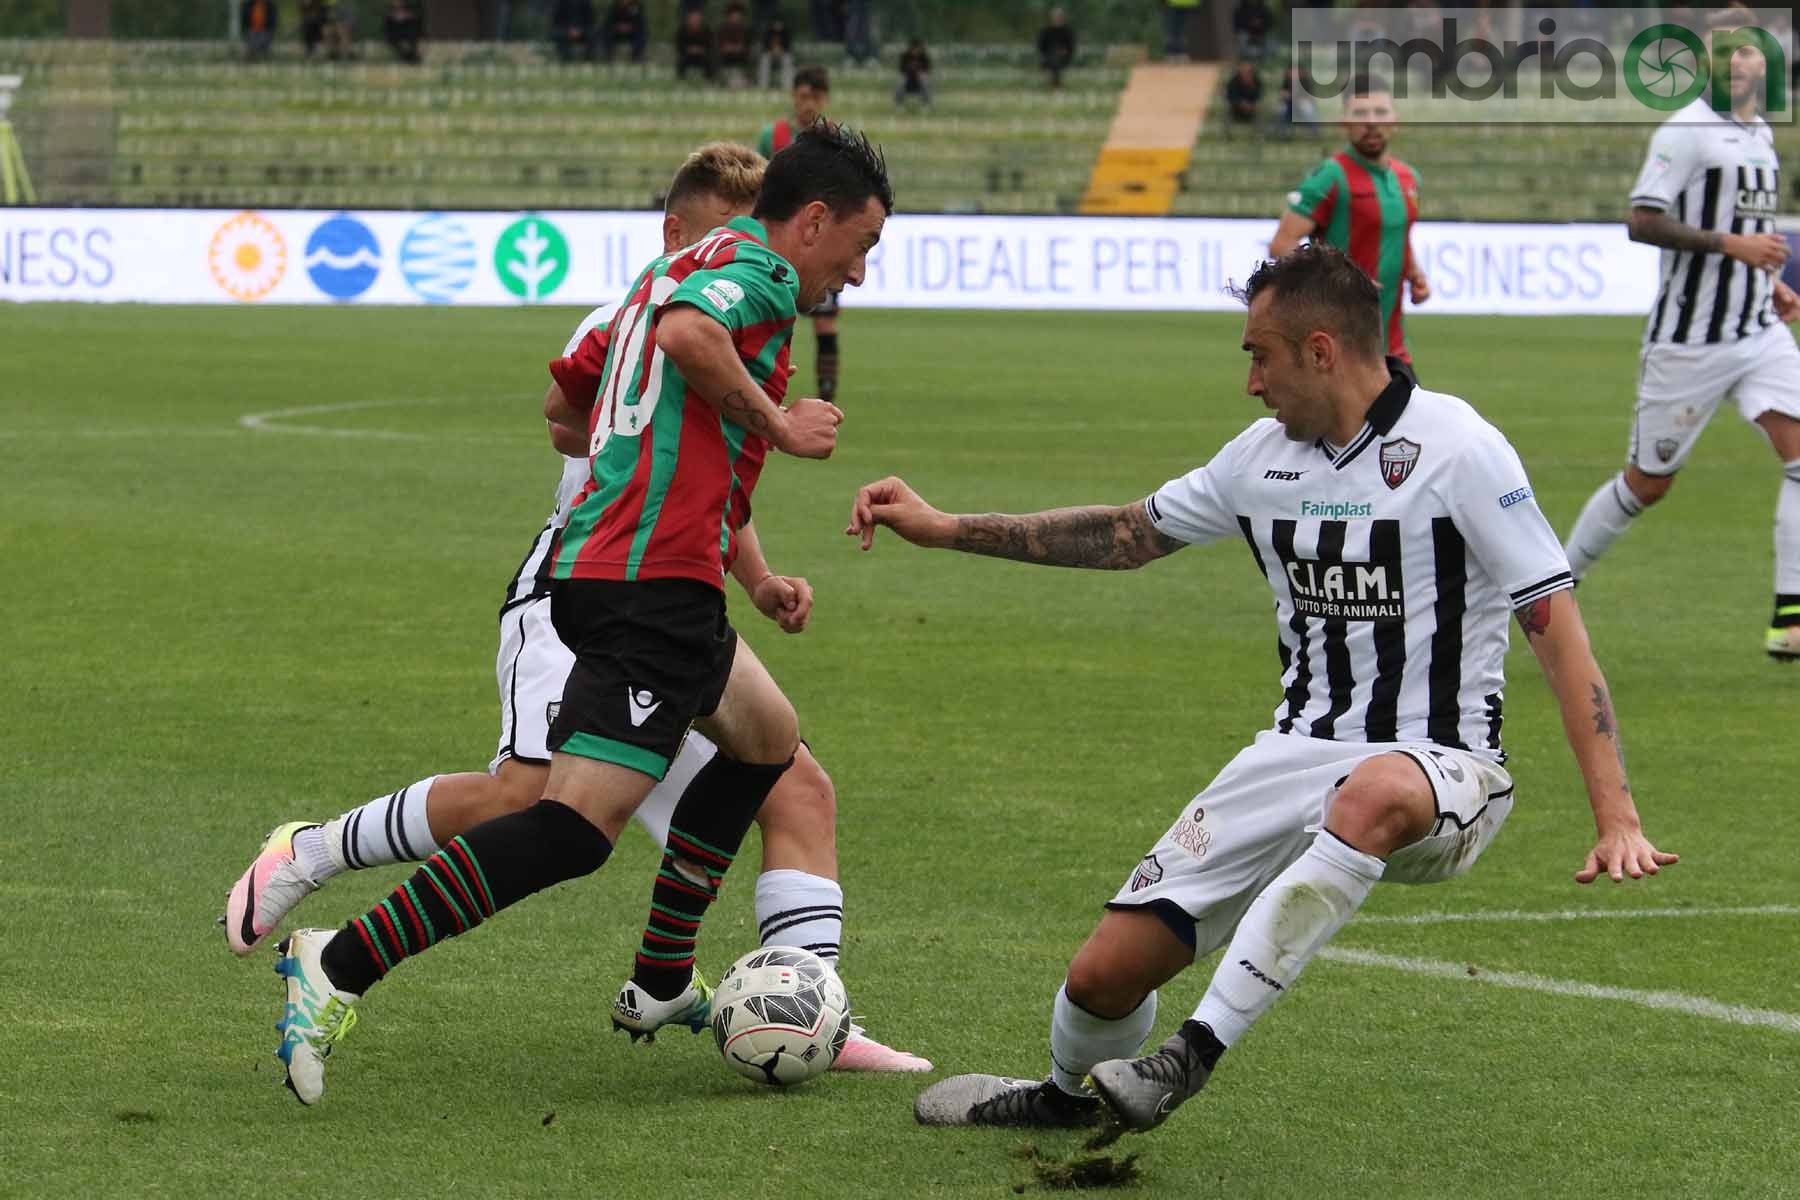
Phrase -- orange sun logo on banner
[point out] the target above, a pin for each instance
(247, 257)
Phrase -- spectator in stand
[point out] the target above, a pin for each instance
(1244, 95)
(1298, 108)
(693, 46)
(1252, 20)
(1176, 14)
(322, 23)
(403, 27)
(915, 71)
(625, 24)
(859, 31)
(257, 20)
(734, 41)
(777, 42)
(1056, 46)
(572, 29)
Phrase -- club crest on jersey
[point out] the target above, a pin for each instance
(1398, 458)
(1148, 871)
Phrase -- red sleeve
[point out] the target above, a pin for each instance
(578, 374)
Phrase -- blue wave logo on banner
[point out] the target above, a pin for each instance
(343, 257)
(437, 258)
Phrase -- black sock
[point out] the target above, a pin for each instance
(1787, 610)
(497, 863)
(705, 831)
(827, 365)
(1201, 1040)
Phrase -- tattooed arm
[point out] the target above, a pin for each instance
(708, 360)
(1554, 629)
(1655, 227)
(1101, 537)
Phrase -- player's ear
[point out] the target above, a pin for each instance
(814, 217)
(1321, 351)
(671, 231)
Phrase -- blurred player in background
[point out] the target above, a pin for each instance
(812, 91)
(798, 900)
(1364, 201)
(1708, 195)
(1397, 531)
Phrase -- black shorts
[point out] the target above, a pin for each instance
(650, 657)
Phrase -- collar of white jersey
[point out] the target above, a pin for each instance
(1381, 418)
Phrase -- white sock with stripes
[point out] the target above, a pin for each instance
(1609, 513)
(1079, 1039)
(1285, 926)
(794, 908)
(1787, 532)
(388, 829)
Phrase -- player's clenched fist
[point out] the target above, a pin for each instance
(890, 502)
(1766, 251)
(809, 428)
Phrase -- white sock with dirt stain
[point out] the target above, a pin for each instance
(1286, 925)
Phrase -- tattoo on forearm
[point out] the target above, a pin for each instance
(743, 410)
(1606, 724)
(1107, 539)
(1660, 229)
(1534, 618)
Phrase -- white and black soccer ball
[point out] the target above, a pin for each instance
(780, 1016)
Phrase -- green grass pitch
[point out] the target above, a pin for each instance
(213, 628)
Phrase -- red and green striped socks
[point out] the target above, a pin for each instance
(495, 864)
(705, 831)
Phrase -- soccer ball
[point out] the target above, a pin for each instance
(780, 1016)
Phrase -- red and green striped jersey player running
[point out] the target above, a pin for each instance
(1364, 201)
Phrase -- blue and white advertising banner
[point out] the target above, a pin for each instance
(584, 258)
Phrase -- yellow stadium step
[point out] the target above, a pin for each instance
(1152, 137)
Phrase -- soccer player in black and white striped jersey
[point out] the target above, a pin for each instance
(1397, 531)
(1707, 195)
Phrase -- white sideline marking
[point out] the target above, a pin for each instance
(267, 422)
(1581, 914)
(1680, 1002)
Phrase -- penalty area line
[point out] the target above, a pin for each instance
(1678, 1002)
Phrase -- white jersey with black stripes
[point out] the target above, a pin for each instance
(1721, 175)
(528, 582)
(1396, 563)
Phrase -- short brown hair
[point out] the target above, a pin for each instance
(1320, 287)
(727, 170)
(815, 78)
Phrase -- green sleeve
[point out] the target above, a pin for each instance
(1318, 194)
(743, 292)
(765, 142)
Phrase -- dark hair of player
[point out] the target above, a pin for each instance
(730, 172)
(814, 78)
(829, 163)
(1317, 286)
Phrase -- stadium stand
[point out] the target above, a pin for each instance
(486, 125)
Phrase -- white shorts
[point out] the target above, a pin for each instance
(531, 668)
(1680, 387)
(1261, 813)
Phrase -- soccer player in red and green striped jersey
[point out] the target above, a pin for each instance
(689, 403)
(1364, 201)
(812, 92)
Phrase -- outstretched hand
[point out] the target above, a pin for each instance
(1621, 853)
(890, 502)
